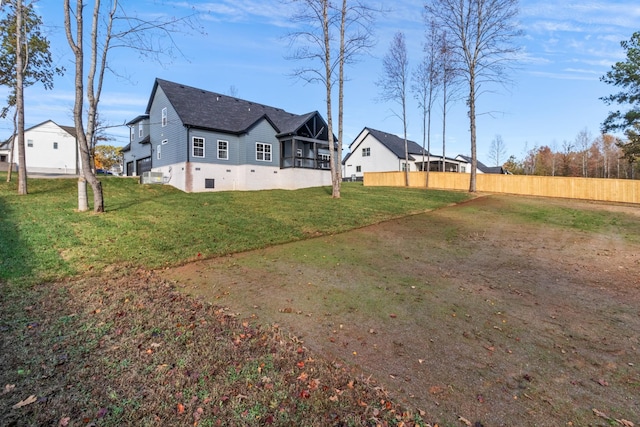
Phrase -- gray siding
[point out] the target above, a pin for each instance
(261, 132)
(174, 151)
(211, 147)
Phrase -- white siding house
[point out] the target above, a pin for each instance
(49, 148)
(378, 151)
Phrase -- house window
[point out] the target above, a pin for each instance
(405, 167)
(358, 168)
(209, 183)
(263, 152)
(133, 134)
(463, 169)
(198, 146)
(366, 152)
(164, 116)
(223, 150)
(159, 152)
(29, 142)
(165, 141)
(140, 133)
(324, 161)
(298, 152)
(55, 145)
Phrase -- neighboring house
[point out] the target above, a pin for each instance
(49, 148)
(377, 151)
(481, 167)
(205, 141)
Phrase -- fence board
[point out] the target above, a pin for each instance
(601, 189)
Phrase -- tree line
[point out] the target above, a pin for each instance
(586, 156)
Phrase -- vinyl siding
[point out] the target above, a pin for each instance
(174, 151)
(265, 133)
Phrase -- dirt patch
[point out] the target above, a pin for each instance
(473, 311)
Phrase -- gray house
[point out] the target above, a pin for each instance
(205, 141)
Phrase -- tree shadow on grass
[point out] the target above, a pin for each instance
(16, 258)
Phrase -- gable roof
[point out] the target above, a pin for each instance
(215, 111)
(482, 167)
(71, 130)
(396, 144)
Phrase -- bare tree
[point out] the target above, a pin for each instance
(484, 31)
(24, 60)
(583, 141)
(394, 86)
(316, 43)
(111, 27)
(449, 71)
(427, 80)
(497, 150)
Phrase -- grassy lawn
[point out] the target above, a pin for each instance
(44, 239)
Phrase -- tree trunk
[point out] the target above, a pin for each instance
(82, 195)
(472, 127)
(22, 158)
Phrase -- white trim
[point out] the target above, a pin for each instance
(264, 153)
(226, 149)
(193, 146)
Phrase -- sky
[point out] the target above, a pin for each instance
(241, 48)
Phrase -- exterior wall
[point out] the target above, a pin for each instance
(42, 157)
(190, 177)
(174, 150)
(263, 133)
(381, 159)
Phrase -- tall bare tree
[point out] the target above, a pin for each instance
(449, 80)
(426, 84)
(316, 44)
(497, 151)
(394, 85)
(484, 32)
(111, 27)
(582, 142)
(24, 60)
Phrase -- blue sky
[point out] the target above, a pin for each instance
(555, 93)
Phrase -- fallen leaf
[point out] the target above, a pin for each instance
(180, 408)
(464, 420)
(8, 388)
(625, 423)
(434, 389)
(303, 377)
(393, 315)
(600, 413)
(64, 422)
(603, 382)
(28, 401)
(333, 398)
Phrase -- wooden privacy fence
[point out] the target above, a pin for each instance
(610, 190)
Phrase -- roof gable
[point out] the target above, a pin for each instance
(215, 111)
(396, 144)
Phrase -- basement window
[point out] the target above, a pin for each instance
(209, 183)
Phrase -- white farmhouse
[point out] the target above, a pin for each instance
(49, 148)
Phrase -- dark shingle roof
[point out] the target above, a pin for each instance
(396, 144)
(484, 168)
(215, 111)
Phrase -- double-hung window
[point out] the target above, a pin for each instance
(159, 152)
(55, 145)
(223, 150)
(366, 152)
(263, 152)
(198, 146)
(140, 132)
(164, 116)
